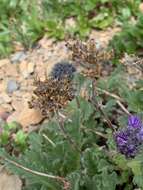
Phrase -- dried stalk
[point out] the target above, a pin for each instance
(118, 99)
(96, 104)
(63, 180)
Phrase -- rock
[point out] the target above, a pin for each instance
(10, 70)
(12, 86)
(9, 181)
(30, 67)
(8, 107)
(3, 62)
(17, 104)
(46, 42)
(23, 69)
(18, 57)
(29, 117)
(5, 98)
(3, 85)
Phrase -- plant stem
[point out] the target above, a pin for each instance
(49, 140)
(58, 178)
(96, 104)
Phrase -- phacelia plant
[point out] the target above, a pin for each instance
(62, 70)
(129, 139)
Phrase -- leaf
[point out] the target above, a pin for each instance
(121, 161)
(20, 137)
(135, 165)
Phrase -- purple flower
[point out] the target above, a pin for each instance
(140, 134)
(134, 122)
(129, 139)
(121, 138)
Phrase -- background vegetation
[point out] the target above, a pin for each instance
(76, 148)
(27, 21)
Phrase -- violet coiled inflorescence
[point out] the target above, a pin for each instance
(62, 70)
(130, 139)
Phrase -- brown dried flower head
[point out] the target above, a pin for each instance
(88, 55)
(51, 95)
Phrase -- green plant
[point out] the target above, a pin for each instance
(130, 38)
(76, 148)
(12, 137)
(27, 21)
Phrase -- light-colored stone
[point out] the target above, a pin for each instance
(4, 62)
(29, 117)
(12, 86)
(18, 57)
(17, 104)
(2, 86)
(46, 43)
(10, 70)
(23, 69)
(30, 67)
(8, 107)
(9, 181)
(5, 97)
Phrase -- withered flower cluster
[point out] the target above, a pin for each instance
(51, 95)
(89, 55)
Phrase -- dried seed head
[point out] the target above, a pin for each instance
(51, 95)
(89, 56)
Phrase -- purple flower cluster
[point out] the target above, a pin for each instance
(62, 70)
(129, 139)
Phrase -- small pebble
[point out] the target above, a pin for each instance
(18, 57)
(12, 86)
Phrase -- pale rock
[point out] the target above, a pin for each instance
(2, 86)
(6, 98)
(30, 67)
(9, 181)
(17, 104)
(18, 57)
(8, 107)
(41, 72)
(10, 70)
(29, 117)
(46, 43)
(12, 86)
(4, 62)
(23, 69)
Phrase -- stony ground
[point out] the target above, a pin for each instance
(16, 84)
